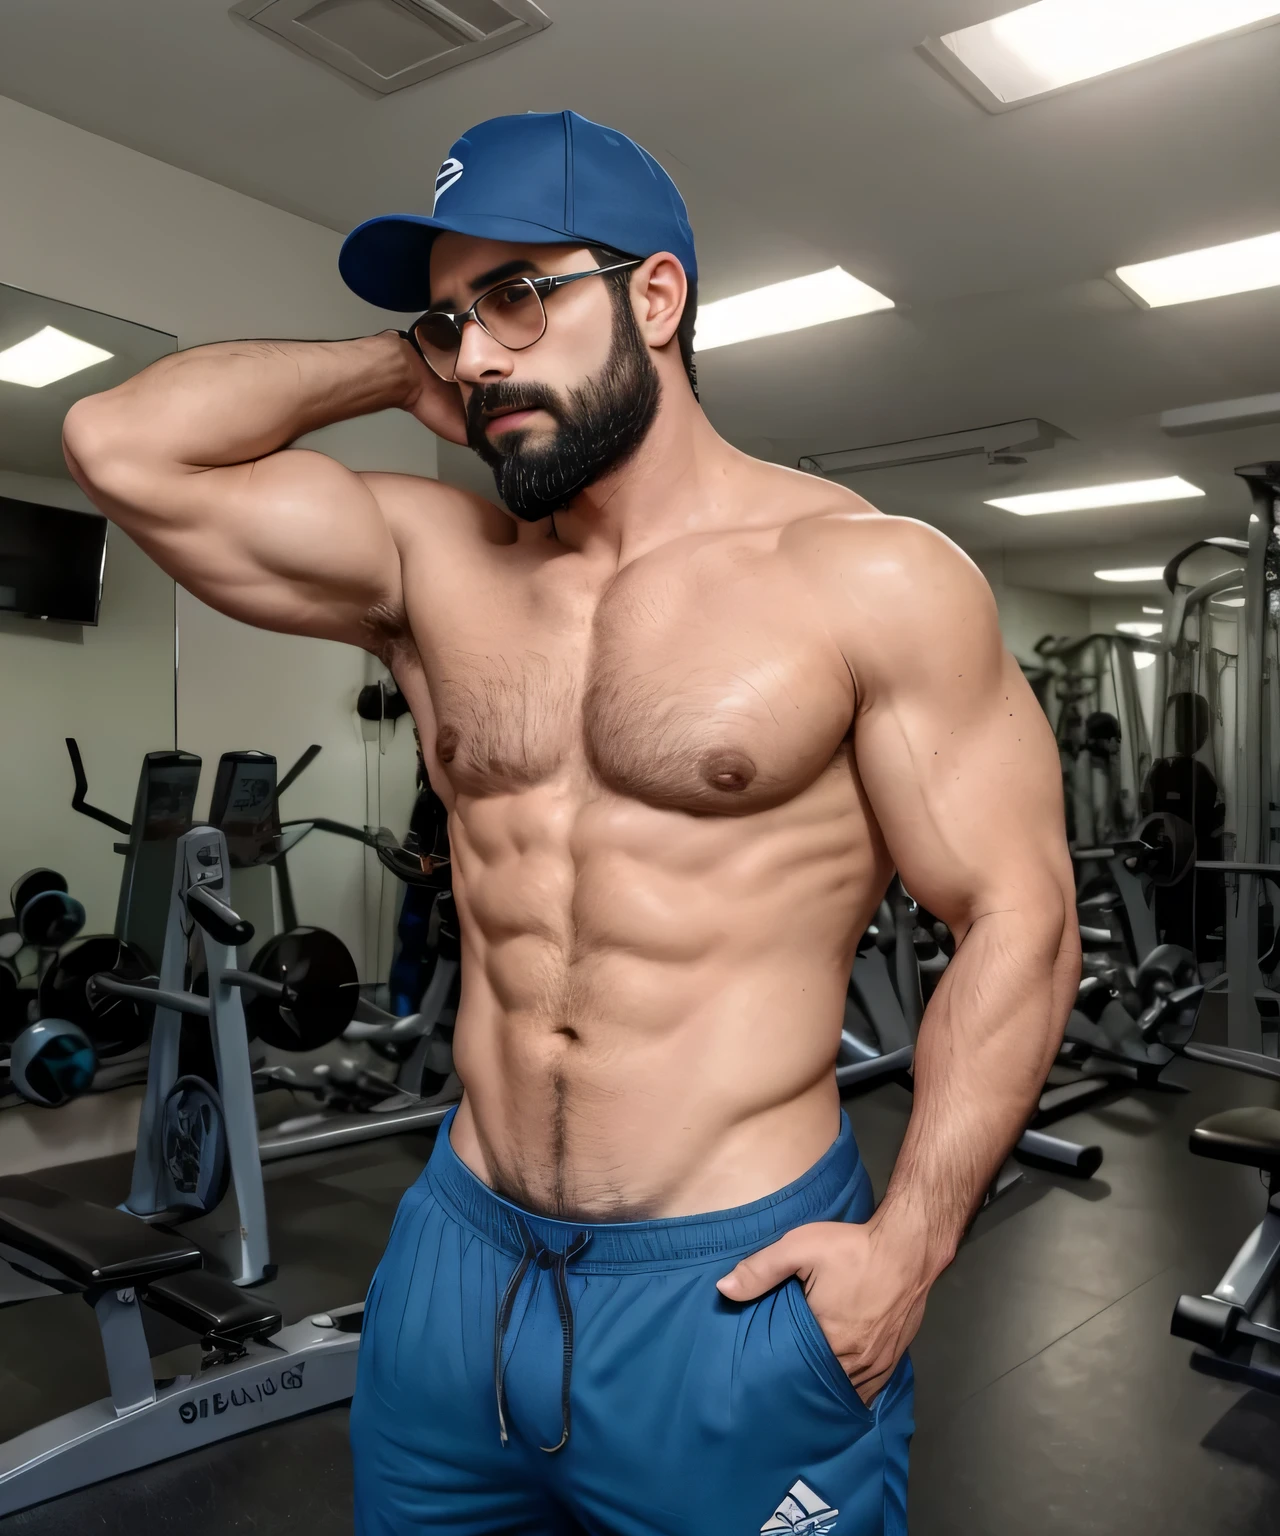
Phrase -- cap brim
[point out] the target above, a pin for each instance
(387, 261)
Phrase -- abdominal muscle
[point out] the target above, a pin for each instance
(652, 1001)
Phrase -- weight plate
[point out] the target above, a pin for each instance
(322, 989)
(50, 919)
(117, 1024)
(52, 1062)
(1170, 974)
(1171, 848)
(34, 883)
(194, 1145)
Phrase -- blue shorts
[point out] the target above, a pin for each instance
(519, 1374)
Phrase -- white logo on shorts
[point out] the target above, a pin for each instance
(802, 1513)
(448, 174)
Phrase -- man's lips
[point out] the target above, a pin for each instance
(508, 421)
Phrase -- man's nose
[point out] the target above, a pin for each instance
(480, 358)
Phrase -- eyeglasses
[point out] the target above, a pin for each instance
(512, 313)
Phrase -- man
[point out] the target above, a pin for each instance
(688, 711)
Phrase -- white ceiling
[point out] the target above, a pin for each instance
(803, 135)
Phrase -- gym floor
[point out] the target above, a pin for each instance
(1051, 1396)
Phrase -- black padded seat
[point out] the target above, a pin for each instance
(1250, 1136)
(92, 1245)
(208, 1304)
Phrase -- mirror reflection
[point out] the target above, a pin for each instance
(86, 657)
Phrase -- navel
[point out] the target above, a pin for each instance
(731, 772)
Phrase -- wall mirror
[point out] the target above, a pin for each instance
(86, 646)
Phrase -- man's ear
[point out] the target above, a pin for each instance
(659, 289)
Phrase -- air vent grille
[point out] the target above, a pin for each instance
(386, 45)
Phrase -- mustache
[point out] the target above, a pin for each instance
(506, 396)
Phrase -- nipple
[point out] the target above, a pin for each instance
(447, 741)
(731, 772)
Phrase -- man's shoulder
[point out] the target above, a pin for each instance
(845, 538)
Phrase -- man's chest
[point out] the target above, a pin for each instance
(710, 686)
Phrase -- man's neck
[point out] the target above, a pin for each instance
(679, 481)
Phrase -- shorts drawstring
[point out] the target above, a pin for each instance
(536, 1252)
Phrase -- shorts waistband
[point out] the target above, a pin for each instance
(824, 1193)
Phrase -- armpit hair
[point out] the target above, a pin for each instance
(387, 630)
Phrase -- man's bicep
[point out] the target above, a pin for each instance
(292, 542)
(959, 764)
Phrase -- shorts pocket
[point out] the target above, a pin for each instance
(819, 1354)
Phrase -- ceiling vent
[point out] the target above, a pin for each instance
(388, 44)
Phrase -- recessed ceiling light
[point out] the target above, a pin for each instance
(1132, 573)
(1047, 47)
(790, 306)
(1143, 659)
(46, 357)
(1153, 610)
(1229, 602)
(1130, 493)
(1241, 267)
(1139, 627)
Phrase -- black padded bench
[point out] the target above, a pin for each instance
(96, 1249)
(253, 1371)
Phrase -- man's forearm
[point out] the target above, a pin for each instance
(989, 1036)
(240, 400)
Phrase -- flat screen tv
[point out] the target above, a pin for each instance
(51, 561)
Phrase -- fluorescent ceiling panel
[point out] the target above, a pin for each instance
(1143, 627)
(790, 306)
(1132, 573)
(1243, 266)
(46, 357)
(1055, 44)
(1144, 659)
(1129, 493)
(1152, 610)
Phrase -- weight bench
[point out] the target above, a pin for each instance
(254, 1371)
(1238, 1326)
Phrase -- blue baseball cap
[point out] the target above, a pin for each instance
(550, 178)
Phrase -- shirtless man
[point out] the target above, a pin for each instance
(688, 712)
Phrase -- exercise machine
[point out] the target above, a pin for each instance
(883, 1012)
(197, 1167)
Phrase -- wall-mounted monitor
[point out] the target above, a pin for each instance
(51, 561)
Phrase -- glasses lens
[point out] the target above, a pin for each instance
(439, 338)
(513, 315)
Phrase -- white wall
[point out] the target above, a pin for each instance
(1026, 615)
(92, 223)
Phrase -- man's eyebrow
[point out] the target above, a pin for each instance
(516, 268)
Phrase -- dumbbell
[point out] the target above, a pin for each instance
(52, 1062)
(45, 915)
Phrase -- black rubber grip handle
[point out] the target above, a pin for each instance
(217, 919)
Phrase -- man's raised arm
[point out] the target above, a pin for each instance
(191, 459)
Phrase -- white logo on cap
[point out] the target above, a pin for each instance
(448, 174)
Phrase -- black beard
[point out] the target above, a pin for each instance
(599, 426)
